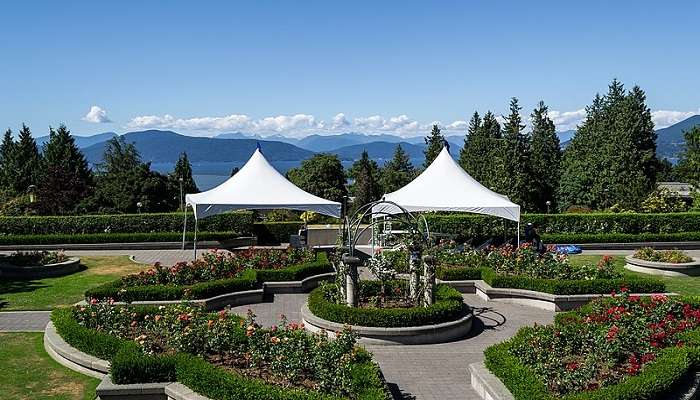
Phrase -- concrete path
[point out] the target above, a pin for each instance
(24, 321)
(429, 372)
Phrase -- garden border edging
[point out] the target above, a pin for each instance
(678, 270)
(546, 301)
(426, 334)
(40, 271)
(486, 384)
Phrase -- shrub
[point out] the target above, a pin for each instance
(619, 348)
(448, 306)
(98, 344)
(123, 223)
(575, 238)
(667, 256)
(36, 258)
(67, 238)
(296, 272)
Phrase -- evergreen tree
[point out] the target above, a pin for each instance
(397, 172)
(472, 154)
(514, 175)
(545, 158)
(124, 182)
(612, 158)
(689, 163)
(433, 145)
(7, 164)
(26, 163)
(65, 178)
(322, 175)
(365, 187)
(183, 170)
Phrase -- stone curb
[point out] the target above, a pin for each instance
(680, 270)
(427, 334)
(41, 271)
(546, 301)
(486, 384)
(70, 357)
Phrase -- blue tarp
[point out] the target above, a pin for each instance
(567, 249)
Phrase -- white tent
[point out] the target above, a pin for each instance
(445, 186)
(257, 186)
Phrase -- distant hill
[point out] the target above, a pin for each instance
(378, 151)
(670, 141)
(166, 146)
(81, 141)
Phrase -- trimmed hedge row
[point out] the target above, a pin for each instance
(576, 238)
(67, 238)
(553, 286)
(248, 280)
(480, 226)
(129, 365)
(448, 306)
(123, 223)
(655, 380)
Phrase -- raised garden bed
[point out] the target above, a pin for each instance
(623, 347)
(219, 280)
(220, 356)
(394, 323)
(37, 265)
(674, 263)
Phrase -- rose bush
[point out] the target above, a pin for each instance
(284, 355)
(613, 339)
(25, 258)
(667, 256)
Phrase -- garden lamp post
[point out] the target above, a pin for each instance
(548, 203)
(180, 179)
(138, 206)
(31, 190)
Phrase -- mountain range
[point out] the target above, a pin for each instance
(165, 146)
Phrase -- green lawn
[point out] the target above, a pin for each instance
(45, 294)
(685, 286)
(27, 372)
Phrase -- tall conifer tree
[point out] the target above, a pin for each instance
(515, 176)
(397, 172)
(433, 145)
(365, 187)
(7, 164)
(545, 158)
(26, 162)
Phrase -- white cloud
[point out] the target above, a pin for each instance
(566, 120)
(457, 126)
(339, 121)
(285, 123)
(96, 115)
(400, 124)
(229, 122)
(664, 118)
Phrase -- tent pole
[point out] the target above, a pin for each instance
(194, 245)
(184, 229)
(517, 244)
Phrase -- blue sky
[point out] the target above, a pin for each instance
(292, 67)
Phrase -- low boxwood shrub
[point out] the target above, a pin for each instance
(130, 365)
(648, 371)
(68, 238)
(296, 272)
(239, 221)
(98, 344)
(552, 286)
(581, 238)
(448, 306)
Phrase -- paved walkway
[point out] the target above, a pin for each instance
(429, 372)
(24, 321)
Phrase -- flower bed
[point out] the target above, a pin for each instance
(664, 256)
(35, 258)
(324, 302)
(523, 268)
(623, 347)
(216, 273)
(220, 355)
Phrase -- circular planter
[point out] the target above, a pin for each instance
(681, 270)
(425, 334)
(8, 271)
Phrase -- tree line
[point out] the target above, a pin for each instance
(56, 179)
(611, 163)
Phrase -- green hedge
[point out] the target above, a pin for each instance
(448, 306)
(67, 238)
(576, 238)
(655, 381)
(478, 226)
(129, 365)
(123, 223)
(248, 280)
(275, 232)
(554, 286)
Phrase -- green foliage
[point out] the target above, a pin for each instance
(545, 158)
(433, 145)
(183, 170)
(296, 272)
(124, 182)
(77, 238)
(7, 162)
(482, 153)
(26, 162)
(123, 223)
(365, 187)
(576, 238)
(65, 178)
(397, 172)
(98, 344)
(612, 158)
(666, 256)
(516, 175)
(448, 306)
(663, 201)
(689, 162)
(275, 232)
(321, 175)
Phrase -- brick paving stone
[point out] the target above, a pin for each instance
(24, 321)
